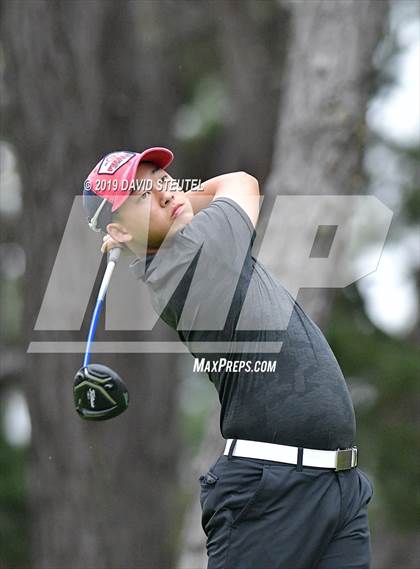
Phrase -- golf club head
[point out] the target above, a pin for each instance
(99, 393)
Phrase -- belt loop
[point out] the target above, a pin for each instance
(232, 448)
(299, 466)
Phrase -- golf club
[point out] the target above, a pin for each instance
(99, 392)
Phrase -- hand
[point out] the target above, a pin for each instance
(109, 243)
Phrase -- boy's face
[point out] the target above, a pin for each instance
(155, 211)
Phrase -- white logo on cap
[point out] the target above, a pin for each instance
(112, 162)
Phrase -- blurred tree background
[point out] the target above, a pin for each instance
(209, 79)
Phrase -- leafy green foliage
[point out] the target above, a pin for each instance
(14, 522)
(387, 421)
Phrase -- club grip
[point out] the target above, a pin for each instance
(114, 254)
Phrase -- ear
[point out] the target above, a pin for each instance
(118, 233)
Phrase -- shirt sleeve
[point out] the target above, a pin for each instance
(224, 226)
(193, 281)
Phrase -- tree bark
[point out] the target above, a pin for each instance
(253, 43)
(192, 546)
(77, 75)
(318, 146)
(321, 129)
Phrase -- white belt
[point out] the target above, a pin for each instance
(341, 459)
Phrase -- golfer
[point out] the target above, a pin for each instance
(286, 493)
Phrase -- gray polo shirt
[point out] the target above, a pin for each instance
(224, 305)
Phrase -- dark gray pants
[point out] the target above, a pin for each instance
(260, 514)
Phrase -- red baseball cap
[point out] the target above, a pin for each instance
(112, 178)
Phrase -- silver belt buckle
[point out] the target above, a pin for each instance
(346, 459)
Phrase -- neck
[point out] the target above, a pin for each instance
(140, 250)
(152, 249)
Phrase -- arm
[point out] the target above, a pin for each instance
(240, 187)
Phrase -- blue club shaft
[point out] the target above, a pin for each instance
(92, 330)
(112, 261)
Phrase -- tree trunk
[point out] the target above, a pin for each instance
(321, 129)
(318, 146)
(253, 42)
(192, 549)
(77, 75)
